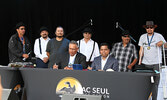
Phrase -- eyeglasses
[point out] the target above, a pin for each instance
(151, 27)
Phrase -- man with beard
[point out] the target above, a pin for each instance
(57, 46)
(150, 52)
(19, 47)
(40, 48)
(125, 52)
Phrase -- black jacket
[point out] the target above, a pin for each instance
(63, 60)
(15, 48)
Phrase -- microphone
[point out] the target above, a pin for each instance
(28, 54)
(91, 22)
(116, 24)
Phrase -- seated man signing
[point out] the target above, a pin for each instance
(72, 57)
(105, 61)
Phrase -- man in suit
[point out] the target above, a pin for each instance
(72, 57)
(105, 61)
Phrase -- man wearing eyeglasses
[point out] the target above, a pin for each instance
(125, 52)
(19, 47)
(66, 60)
(150, 51)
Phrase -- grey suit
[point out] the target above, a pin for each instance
(63, 60)
(111, 63)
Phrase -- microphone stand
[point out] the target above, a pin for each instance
(118, 26)
(89, 22)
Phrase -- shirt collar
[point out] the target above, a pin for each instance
(74, 55)
(88, 41)
(43, 38)
(127, 44)
(106, 57)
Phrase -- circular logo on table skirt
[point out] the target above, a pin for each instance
(69, 85)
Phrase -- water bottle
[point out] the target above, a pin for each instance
(70, 65)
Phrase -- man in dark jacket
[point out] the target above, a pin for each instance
(66, 60)
(19, 47)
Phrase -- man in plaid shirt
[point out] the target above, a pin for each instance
(125, 52)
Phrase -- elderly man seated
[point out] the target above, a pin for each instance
(65, 61)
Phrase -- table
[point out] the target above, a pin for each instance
(10, 77)
(45, 84)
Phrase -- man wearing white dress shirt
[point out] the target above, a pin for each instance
(66, 60)
(105, 61)
(88, 47)
(40, 48)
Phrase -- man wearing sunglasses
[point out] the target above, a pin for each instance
(125, 52)
(150, 52)
(19, 47)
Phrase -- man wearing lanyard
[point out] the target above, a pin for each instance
(150, 52)
(19, 47)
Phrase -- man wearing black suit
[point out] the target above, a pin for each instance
(72, 57)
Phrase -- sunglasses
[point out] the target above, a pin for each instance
(151, 27)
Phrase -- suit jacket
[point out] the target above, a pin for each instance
(63, 60)
(111, 63)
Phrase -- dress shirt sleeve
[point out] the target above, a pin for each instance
(37, 50)
(96, 52)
